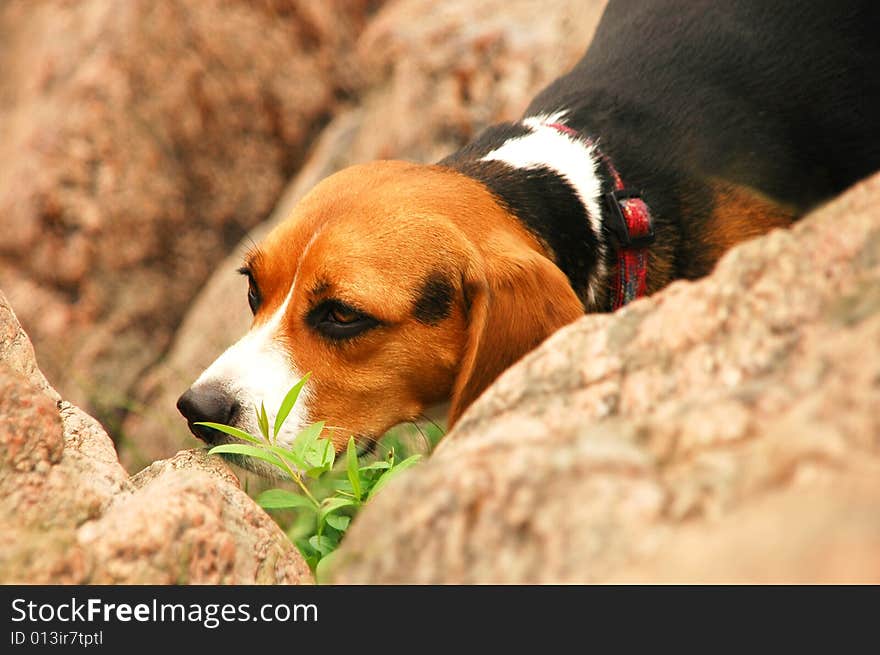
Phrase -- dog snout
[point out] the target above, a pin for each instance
(209, 405)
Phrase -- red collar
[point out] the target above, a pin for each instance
(630, 223)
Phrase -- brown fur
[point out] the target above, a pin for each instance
(370, 236)
(739, 214)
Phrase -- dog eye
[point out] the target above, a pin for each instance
(343, 315)
(253, 297)
(253, 294)
(337, 320)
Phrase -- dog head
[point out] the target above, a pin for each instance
(398, 287)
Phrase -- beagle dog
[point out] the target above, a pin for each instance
(688, 126)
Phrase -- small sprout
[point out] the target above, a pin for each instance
(326, 505)
(263, 421)
(351, 469)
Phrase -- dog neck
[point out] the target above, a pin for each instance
(554, 181)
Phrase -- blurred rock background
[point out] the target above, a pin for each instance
(141, 141)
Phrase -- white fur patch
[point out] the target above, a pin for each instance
(573, 159)
(257, 368)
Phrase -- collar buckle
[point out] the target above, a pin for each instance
(629, 234)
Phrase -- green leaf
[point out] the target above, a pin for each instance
(330, 505)
(306, 439)
(352, 468)
(322, 544)
(342, 485)
(369, 481)
(288, 403)
(333, 504)
(263, 421)
(282, 499)
(309, 553)
(289, 456)
(338, 521)
(376, 465)
(412, 460)
(302, 526)
(315, 453)
(316, 472)
(251, 451)
(389, 475)
(329, 458)
(231, 431)
(324, 568)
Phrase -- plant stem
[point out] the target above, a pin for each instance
(298, 479)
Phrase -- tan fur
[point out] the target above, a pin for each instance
(516, 303)
(739, 214)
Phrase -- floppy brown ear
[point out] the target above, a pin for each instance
(513, 306)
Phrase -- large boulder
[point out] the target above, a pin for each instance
(71, 514)
(139, 141)
(725, 430)
(433, 75)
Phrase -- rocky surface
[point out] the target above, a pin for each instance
(70, 513)
(433, 75)
(139, 141)
(725, 430)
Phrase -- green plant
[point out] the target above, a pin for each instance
(329, 494)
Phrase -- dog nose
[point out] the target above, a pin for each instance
(206, 405)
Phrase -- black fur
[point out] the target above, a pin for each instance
(434, 301)
(782, 97)
(549, 207)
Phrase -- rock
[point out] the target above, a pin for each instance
(435, 74)
(17, 351)
(724, 430)
(438, 73)
(70, 513)
(188, 526)
(56, 471)
(139, 141)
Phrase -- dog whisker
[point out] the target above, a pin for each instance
(423, 438)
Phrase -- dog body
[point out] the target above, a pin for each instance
(400, 286)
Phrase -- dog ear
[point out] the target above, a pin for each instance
(511, 308)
